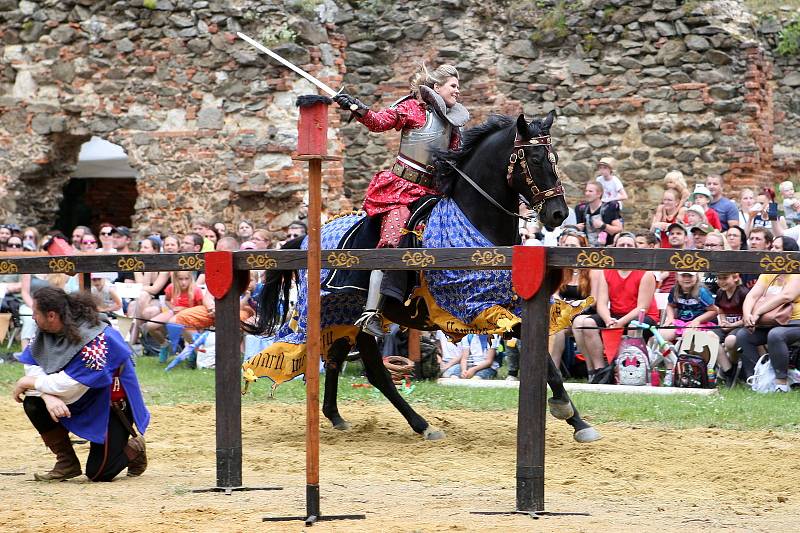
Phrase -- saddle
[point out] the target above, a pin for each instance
(365, 234)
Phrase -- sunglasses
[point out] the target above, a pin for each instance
(14, 245)
(88, 242)
(105, 233)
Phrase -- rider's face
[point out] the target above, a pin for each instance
(449, 91)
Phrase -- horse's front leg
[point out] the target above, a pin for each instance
(333, 367)
(379, 377)
(561, 406)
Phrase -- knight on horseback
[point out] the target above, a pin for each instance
(429, 118)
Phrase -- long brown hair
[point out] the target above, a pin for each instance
(584, 281)
(73, 309)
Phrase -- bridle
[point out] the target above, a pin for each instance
(518, 155)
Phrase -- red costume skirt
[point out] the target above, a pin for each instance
(388, 191)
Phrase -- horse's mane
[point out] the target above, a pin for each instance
(446, 176)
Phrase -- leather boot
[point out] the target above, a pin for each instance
(67, 463)
(136, 452)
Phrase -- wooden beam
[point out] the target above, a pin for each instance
(532, 400)
(227, 377)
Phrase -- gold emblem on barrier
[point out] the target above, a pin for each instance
(191, 262)
(342, 259)
(61, 266)
(128, 264)
(8, 267)
(418, 259)
(598, 259)
(783, 264)
(261, 262)
(488, 258)
(687, 261)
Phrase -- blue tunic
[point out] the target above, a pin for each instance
(94, 366)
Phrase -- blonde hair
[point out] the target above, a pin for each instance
(176, 288)
(438, 76)
(679, 184)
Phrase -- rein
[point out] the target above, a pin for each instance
(486, 194)
(539, 196)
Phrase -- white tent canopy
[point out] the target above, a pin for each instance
(101, 159)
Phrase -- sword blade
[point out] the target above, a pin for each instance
(325, 87)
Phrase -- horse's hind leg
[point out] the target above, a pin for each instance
(333, 366)
(379, 377)
(561, 407)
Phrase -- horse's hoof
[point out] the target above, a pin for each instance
(344, 425)
(587, 435)
(560, 409)
(431, 433)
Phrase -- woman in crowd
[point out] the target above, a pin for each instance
(620, 295)
(760, 216)
(88, 243)
(172, 244)
(181, 294)
(746, 200)
(776, 289)
(737, 238)
(30, 239)
(106, 240)
(261, 239)
(668, 211)
(575, 287)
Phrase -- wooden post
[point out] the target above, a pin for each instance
(228, 387)
(313, 338)
(531, 414)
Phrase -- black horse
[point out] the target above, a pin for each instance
(501, 161)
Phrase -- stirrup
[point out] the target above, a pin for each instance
(371, 322)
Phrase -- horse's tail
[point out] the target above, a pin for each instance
(272, 302)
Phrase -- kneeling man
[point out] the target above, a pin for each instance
(79, 378)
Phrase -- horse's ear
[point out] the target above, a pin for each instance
(548, 121)
(522, 128)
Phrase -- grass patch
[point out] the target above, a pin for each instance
(770, 6)
(738, 409)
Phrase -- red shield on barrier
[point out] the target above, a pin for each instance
(528, 266)
(219, 273)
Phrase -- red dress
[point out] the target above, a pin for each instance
(388, 191)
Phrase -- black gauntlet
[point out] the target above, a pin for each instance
(351, 103)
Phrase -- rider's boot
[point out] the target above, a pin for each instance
(371, 321)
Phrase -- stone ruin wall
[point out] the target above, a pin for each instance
(210, 125)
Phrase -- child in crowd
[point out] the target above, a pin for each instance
(181, 294)
(674, 180)
(613, 190)
(695, 215)
(689, 305)
(108, 301)
(450, 358)
(702, 197)
(791, 204)
(729, 301)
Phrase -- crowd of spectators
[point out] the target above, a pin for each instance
(697, 217)
(151, 300)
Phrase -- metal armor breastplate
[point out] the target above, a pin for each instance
(416, 144)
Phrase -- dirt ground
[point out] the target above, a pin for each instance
(635, 479)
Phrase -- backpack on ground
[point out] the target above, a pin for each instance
(691, 372)
(632, 366)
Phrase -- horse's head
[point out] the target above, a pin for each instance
(533, 173)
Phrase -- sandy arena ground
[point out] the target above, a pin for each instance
(635, 479)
